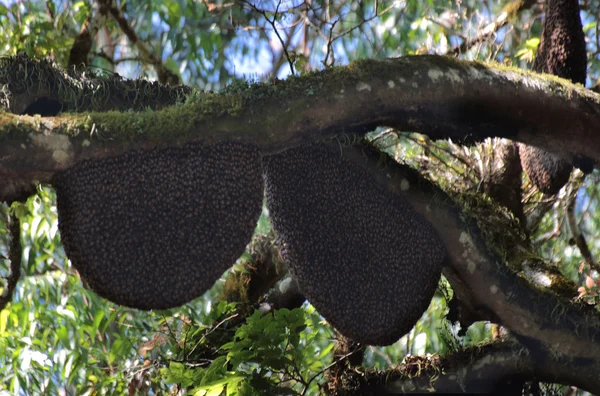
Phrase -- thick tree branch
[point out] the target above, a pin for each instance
(499, 367)
(438, 96)
(482, 278)
(26, 81)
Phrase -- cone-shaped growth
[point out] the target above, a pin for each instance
(362, 255)
(155, 229)
(549, 172)
(561, 52)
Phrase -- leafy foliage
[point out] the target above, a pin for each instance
(268, 351)
(58, 337)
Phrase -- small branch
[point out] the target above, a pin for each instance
(272, 23)
(433, 154)
(330, 51)
(353, 28)
(213, 328)
(579, 237)
(508, 12)
(336, 362)
(112, 61)
(15, 253)
(165, 75)
(281, 57)
(498, 367)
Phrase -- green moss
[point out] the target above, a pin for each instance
(79, 92)
(240, 109)
(14, 129)
(499, 227)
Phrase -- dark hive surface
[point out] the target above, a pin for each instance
(561, 52)
(362, 256)
(548, 171)
(155, 229)
(562, 47)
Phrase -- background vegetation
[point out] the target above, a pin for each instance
(57, 337)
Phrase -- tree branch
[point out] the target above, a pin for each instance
(438, 96)
(496, 367)
(164, 74)
(78, 56)
(27, 80)
(509, 11)
(579, 237)
(274, 26)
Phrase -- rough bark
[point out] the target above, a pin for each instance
(438, 96)
(500, 367)
(503, 181)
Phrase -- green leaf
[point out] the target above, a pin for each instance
(4, 319)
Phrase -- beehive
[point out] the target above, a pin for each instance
(155, 229)
(561, 52)
(365, 259)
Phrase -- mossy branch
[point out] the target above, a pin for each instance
(500, 367)
(438, 96)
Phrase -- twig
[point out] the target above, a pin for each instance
(272, 23)
(112, 61)
(353, 28)
(327, 368)
(579, 238)
(168, 327)
(304, 16)
(210, 331)
(15, 253)
(185, 340)
(467, 175)
(165, 75)
(330, 46)
(382, 355)
(281, 58)
(509, 11)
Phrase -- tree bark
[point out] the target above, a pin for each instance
(438, 96)
(500, 367)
